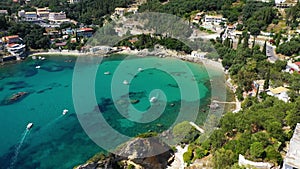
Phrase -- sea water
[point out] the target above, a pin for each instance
(58, 141)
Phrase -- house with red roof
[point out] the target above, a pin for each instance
(11, 39)
(85, 32)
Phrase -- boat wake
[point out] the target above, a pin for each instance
(54, 121)
(18, 148)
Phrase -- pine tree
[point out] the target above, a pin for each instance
(240, 40)
(264, 50)
(246, 41)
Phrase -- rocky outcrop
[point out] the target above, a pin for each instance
(136, 153)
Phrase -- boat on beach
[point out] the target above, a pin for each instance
(29, 126)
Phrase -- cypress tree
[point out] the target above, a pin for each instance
(264, 50)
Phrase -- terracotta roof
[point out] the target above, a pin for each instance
(297, 63)
(61, 44)
(11, 44)
(11, 37)
(230, 26)
(86, 29)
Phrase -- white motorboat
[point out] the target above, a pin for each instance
(107, 73)
(29, 126)
(38, 67)
(140, 69)
(41, 58)
(153, 99)
(125, 82)
(65, 111)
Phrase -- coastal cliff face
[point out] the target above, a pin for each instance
(128, 154)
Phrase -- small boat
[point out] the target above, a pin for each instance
(29, 126)
(125, 82)
(153, 99)
(33, 57)
(107, 73)
(65, 111)
(38, 67)
(41, 58)
(140, 69)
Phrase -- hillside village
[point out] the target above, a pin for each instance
(271, 67)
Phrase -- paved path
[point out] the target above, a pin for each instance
(197, 127)
(178, 162)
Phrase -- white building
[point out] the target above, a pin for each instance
(21, 13)
(4, 12)
(73, 1)
(134, 10)
(214, 19)
(56, 16)
(43, 12)
(292, 158)
(30, 16)
(280, 93)
(199, 55)
(120, 11)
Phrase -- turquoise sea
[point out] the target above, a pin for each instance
(58, 141)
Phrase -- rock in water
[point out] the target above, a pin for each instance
(130, 152)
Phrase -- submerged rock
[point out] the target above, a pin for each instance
(16, 97)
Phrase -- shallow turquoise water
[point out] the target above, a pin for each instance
(58, 141)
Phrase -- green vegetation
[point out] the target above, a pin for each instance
(147, 135)
(130, 166)
(259, 131)
(292, 16)
(184, 133)
(256, 132)
(290, 48)
(144, 41)
(97, 157)
(183, 8)
(32, 34)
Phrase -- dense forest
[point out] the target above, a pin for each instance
(148, 42)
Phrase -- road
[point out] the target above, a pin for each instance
(271, 54)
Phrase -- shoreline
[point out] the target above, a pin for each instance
(164, 53)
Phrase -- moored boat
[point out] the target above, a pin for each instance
(125, 82)
(107, 73)
(65, 111)
(153, 99)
